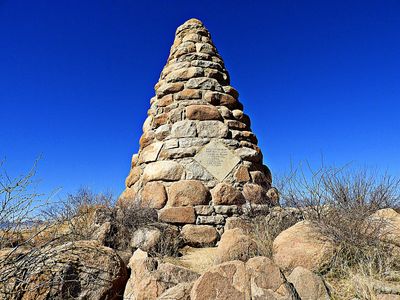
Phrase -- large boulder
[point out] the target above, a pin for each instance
(308, 284)
(267, 281)
(150, 277)
(235, 245)
(75, 270)
(301, 245)
(225, 281)
(258, 279)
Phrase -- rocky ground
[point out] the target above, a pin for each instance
(242, 265)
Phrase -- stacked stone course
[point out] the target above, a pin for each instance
(195, 106)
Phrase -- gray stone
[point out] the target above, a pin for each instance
(248, 154)
(195, 171)
(216, 220)
(204, 83)
(227, 209)
(184, 129)
(212, 129)
(162, 132)
(189, 142)
(204, 210)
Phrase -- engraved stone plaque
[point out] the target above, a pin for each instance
(217, 159)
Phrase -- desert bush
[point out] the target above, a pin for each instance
(79, 213)
(340, 202)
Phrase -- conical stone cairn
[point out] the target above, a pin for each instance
(198, 161)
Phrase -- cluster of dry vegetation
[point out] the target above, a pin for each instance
(341, 204)
(32, 226)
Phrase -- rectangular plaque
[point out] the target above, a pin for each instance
(217, 159)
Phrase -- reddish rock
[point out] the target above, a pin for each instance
(179, 215)
(188, 94)
(225, 194)
(154, 195)
(202, 112)
(199, 235)
(188, 193)
(255, 193)
(242, 174)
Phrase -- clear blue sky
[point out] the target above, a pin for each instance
(316, 77)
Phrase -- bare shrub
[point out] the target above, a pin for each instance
(340, 202)
(79, 213)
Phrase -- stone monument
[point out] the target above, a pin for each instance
(198, 161)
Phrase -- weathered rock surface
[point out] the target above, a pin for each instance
(199, 235)
(235, 245)
(301, 246)
(181, 215)
(153, 195)
(188, 193)
(257, 279)
(78, 270)
(225, 194)
(308, 285)
(150, 278)
(225, 281)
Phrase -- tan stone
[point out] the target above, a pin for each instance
(169, 88)
(179, 292)
(150, 278)
(236, 125)
(133, 176)
(146, 139)
(165, 101)
(225, 281)
(301, 245)
(134, 161)
(265, 276)
(127, 197)
(179, 215)
(308, 285)
(160, 120)
(242, 174)
(235, 245)
(202, 112)
(255, 194)
(162, 132)
(188, 94)
(153, 195)
(150, 153)
(184, 74)
(163, 170)
(225, 194)
(188, 193)
(199, 235)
